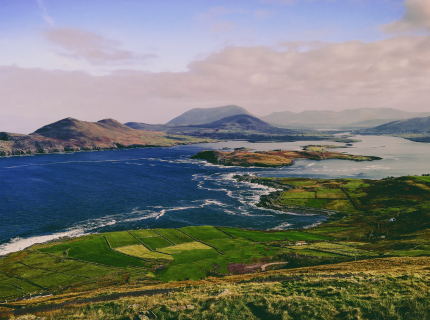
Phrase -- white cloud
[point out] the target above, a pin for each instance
(44, 12)
(416, 18)
(94, 48)
(389, 73)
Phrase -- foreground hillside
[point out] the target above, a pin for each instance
(389, 288)
(73, 135)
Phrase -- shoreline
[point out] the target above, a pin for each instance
(269, 201)
(28, 153)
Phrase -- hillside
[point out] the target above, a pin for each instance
(205, 115)
(415, 125)
(243, 122)
(73, 135)
(239, 127)
(337, 119)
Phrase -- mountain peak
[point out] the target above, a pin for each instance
(205, 115)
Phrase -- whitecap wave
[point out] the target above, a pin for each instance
(282, 226)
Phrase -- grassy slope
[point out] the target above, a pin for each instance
(394, 288)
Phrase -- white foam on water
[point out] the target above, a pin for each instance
(18, 243)
(162, 212)
(282, 226)
(313, 225)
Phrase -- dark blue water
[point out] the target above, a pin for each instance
(48, 196)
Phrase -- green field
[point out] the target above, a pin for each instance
(144, 233)
(316, 203)
(156, 242)
(140, 251)
(330, 194)
(424, 178)
(120, 239)
(94, 249)
(204, 233)
(175, 236)
(298, 195)
(273, 236)
(35, 272)
(179, 248)
(229, 244)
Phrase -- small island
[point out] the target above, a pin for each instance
(275, 158)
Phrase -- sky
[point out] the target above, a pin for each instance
(151, 60)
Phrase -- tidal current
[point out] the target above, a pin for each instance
(45, 197)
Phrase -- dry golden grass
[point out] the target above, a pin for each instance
(140, 251)
(186, 246)
(419, 266)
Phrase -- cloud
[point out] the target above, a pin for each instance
(94, 48)
(44, 12)
(416, 18)
(327, 76)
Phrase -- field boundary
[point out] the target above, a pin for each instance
(76, 259)
(126, 253)
(145, 245)
(164, 237)
(201, 242)
(218, 228)
(139, 240)
(350, 199)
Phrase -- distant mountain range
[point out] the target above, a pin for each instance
(198, 116)
(310, 119)
(363, 117)
(72, 135)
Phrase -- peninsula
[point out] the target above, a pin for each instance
(70, 134)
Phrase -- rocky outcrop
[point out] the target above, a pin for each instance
(275, 158)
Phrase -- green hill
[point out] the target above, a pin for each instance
(415, 125)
